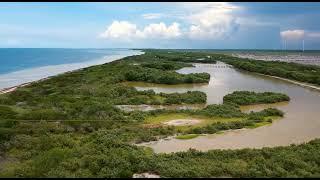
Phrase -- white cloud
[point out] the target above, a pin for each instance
(212, 25)
(123, 30)
(211, 20)
(120, 30)
(202, 21)
(292, 34)
(161, 31)
(152, 16)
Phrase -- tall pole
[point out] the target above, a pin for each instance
(303, 45)
(285, 45)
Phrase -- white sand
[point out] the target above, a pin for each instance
(37, 73)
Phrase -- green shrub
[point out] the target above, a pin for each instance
(43, 114)
(7, 113)
(248, 98)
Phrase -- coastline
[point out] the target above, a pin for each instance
(13, 88)
(10, 89)
(117, 57)
(25, 77)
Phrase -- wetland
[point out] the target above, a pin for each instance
(180, 114)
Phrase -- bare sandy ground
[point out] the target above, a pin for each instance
(182, 122)
(10, 89)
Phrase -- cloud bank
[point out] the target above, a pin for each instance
(203, 21)
(211, 20)
(124, 30)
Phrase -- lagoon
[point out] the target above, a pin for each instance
(301, 122)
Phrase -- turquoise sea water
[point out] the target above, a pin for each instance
(22, 65)
(14, 59)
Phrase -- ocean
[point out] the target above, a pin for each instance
(22, 65)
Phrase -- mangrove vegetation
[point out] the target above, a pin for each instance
(69, 125)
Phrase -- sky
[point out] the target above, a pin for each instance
(204, 25)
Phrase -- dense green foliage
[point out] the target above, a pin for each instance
(7, 113)
(248, 98)
(221, 110)
(294, 71)
(90, 93)
(105, 153)
(190, 97)
(153, 75)
(292, 161)
(165, 65)
(229, 111)
(150, 97)
(68, 126)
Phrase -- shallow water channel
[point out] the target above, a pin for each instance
(301, 122)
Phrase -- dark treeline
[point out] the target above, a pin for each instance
(190, 97)
(153, 75)
(165, 65)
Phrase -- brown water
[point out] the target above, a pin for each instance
(301, 122)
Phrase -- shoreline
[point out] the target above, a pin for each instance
(10, 89)
(60, 70)
(13, 88)
(302, 84)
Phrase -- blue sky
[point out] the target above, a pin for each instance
(160, 25)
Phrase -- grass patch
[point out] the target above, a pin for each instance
(267, 121)
(187, 136)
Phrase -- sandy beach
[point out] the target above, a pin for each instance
(11, 81)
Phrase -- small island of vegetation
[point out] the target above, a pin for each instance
(251, 98)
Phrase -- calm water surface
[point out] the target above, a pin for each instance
(301, 122)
